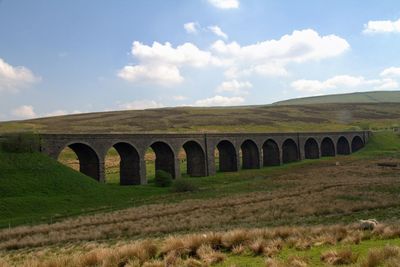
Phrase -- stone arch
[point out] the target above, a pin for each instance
(129, 166)
(227, 156)
(311, 149)
(165, 158)
(89, 162)
(327, 148)
(271, 153)
(250, 155)
(357, 143)
(290, 151)
(195, 158)
(343, 147)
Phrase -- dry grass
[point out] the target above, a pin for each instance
(344, 190)
(387, 256)
(343, 257)
(209, 248)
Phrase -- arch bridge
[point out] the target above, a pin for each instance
(234, 150)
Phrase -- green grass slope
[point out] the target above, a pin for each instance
(361, 97)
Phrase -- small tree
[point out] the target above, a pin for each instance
(163, 178)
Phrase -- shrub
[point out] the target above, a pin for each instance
(163, 178)
(21, 143)
(183, 185)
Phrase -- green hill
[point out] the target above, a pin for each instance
(268, 118)
(361, 97)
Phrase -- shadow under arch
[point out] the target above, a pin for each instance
(129, 165)
(290, 151)
(165, 158)
(271, 155)
(311, 149)
(327, 148)
(227, 156)
(357, 143)
(343, 147)
(250, 155)
(89, 163)
(195, 159)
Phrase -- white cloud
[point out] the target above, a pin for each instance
(225, 4)
(12, 79)
(300, 46)
(217, 31)
(220, 101)
(343, 83)
(165, 75)
(388, 84)
(234, 87)
(179, 97)
(191, 27)
(24, 112)
(141, 104)
(382, 26)
(160, 63)
(390, 72)
(271, 57)
(59, 112)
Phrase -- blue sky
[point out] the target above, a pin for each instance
(62, 57)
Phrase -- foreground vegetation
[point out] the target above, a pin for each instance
(282, 246)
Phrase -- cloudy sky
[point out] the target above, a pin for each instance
(62, 57)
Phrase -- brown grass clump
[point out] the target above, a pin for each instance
(190, 262)
(343, 257)
(271, 262)
(257, 247)
(4, 263)
(377, 257)
(174, 245)
(296, 262)
(142, 251)
(154, 263)
(210, 256)
(235, 238)
(238, 250)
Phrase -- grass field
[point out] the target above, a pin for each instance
(46, 197)
(362, 97)
(269, 118)
(36, 188)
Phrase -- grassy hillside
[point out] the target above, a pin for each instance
(271, 118)
(36, 188)
(362, 97)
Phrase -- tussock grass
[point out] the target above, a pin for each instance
(215, 247)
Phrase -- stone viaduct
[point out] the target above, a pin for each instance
(235, 150)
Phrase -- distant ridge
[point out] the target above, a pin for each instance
(359, 97)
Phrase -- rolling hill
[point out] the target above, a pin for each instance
(360, 97)
(372, 110)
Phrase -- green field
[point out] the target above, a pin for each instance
(362, 97)
(267, 118)
(36, 188)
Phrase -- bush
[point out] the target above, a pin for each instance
(183, 185)
(20, 143)
(163, 178)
